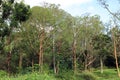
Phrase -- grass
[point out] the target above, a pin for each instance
(108, 74)
(31, 76)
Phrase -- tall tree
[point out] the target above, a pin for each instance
(117, 17)
(12, 14)
(115, 39)
(90, 26)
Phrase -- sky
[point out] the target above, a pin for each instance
(80, 7)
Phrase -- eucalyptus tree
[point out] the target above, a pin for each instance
(74, 34)
(59, 23)
(116, 16)
(37, 22)
(44, 19)
(59, 32)
(115, 38)
(12, 14)
(89, 27)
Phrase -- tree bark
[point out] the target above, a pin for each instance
(57, 67)
(41, 51)
(74, 55)
(20, 61)
(85, 64)
(116, 60)
(9, 55)
(32, 65)
(9, 61)
(54, 59)
(101, 65)
(115, 54)
(59, 45)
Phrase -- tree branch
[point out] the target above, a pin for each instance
(112, 13)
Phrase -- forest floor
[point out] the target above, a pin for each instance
(108, 74)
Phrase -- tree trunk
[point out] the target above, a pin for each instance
(57, 67)
(41, 51)
(32, 65)
(74, 49)
(115, 54)
(116, 60)
(9, 55)
(85, 64)
(54, 60)
(74, 56)
(40, 57)
(59, 45)
(101, 65)
(8, 61)
(20, 61)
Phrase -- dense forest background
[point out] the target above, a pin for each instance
(47, 39)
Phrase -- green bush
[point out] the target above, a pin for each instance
(31, 76)
(66, 75)
(86, 76)
(3, 73)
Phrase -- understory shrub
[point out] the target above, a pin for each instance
(87, 76)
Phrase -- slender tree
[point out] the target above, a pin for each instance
(117, 17)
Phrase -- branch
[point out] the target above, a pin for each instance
(103, 2)
(90, 62)
(111, 13)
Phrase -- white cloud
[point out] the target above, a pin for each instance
(63, 3)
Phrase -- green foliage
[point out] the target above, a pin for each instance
(5, 30)
(102, 44)
(108, 73)
(3, 73)
(85, 31)
(33, 76)
(66, 75)
(21, 12)
(7, 8)
(11, 1)
(87, 76)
